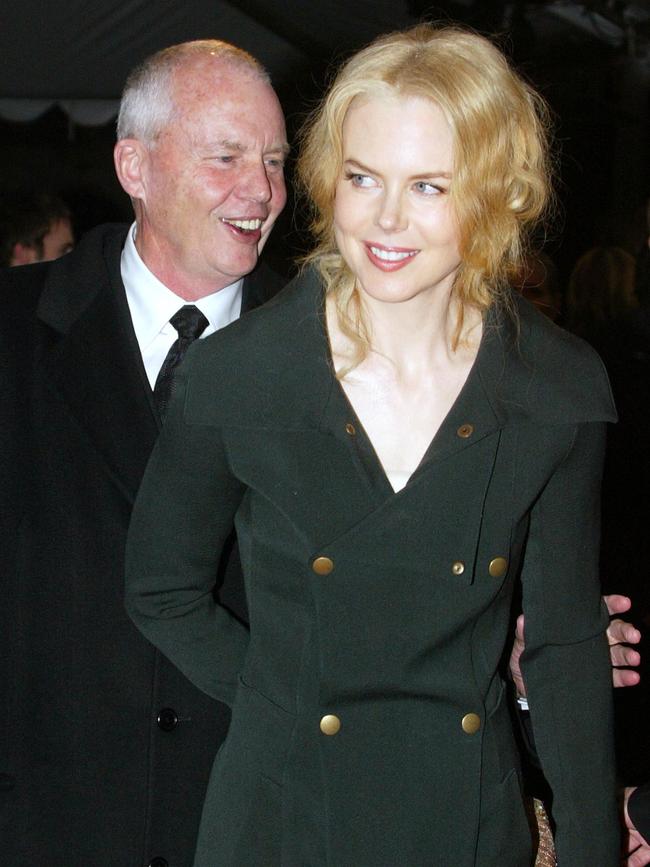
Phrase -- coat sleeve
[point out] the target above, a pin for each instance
(566, 662)
(182, 517)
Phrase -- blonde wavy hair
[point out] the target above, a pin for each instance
(501, 185)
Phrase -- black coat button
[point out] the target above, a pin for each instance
(158, 862)
(167, 721)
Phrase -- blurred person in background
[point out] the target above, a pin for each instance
(34, 228)
(600, 293)
(538, 282)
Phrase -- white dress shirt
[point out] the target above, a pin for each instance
(152, 305)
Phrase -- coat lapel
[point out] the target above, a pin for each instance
(93, 360)
(475, 414)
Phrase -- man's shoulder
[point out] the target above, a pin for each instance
(21, 286)
(64, 286)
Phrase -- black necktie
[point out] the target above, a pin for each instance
(190, 323)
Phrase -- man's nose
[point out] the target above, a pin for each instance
(254, 184)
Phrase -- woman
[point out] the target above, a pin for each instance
(419, 445)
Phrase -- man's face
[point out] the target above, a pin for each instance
(58, 241)
(213, 182)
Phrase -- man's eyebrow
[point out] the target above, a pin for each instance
(284, 148)
(232, 145)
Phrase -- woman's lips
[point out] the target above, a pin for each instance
(389, 258)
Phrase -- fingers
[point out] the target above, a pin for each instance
(617, 604)
(519, 631)
(620, 631)
(622, 677)
(639, 858)
(621, 654)
(621, 634)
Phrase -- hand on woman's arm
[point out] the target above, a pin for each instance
(620, 634)
(636, 846)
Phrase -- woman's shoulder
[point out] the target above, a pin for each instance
(262, 329)
(264, 358)
(559, 376)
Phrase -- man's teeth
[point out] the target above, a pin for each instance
(391, 255)
(247, 225)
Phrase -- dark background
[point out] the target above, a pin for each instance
(590, 60)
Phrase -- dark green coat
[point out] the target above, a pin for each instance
(388, 611)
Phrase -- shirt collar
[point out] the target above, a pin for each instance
(152, 304)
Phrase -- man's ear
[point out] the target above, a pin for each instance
(23, 254)
(130, 157)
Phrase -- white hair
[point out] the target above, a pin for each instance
(147, 105)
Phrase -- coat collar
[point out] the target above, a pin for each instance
(526, 370)
(93, 358)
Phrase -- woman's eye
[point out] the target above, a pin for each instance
(360, 180)
(427, 188)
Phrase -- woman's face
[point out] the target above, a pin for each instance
(393, 219)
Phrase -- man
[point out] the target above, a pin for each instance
(34, 228)
(105, 749)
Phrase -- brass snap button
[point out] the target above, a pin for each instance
(498, 567)
(330, 724)
(322, 565)
(471, 723)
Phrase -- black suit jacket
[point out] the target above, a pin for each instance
(105, 747)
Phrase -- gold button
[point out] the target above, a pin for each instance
(458, 567)
(465, 430)
(350, 429)
(330, 724)
(322, 565)
(471, 723)
(498, 567)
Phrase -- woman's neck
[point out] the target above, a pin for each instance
(420, 333)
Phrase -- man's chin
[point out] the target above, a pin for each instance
(238, 267)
